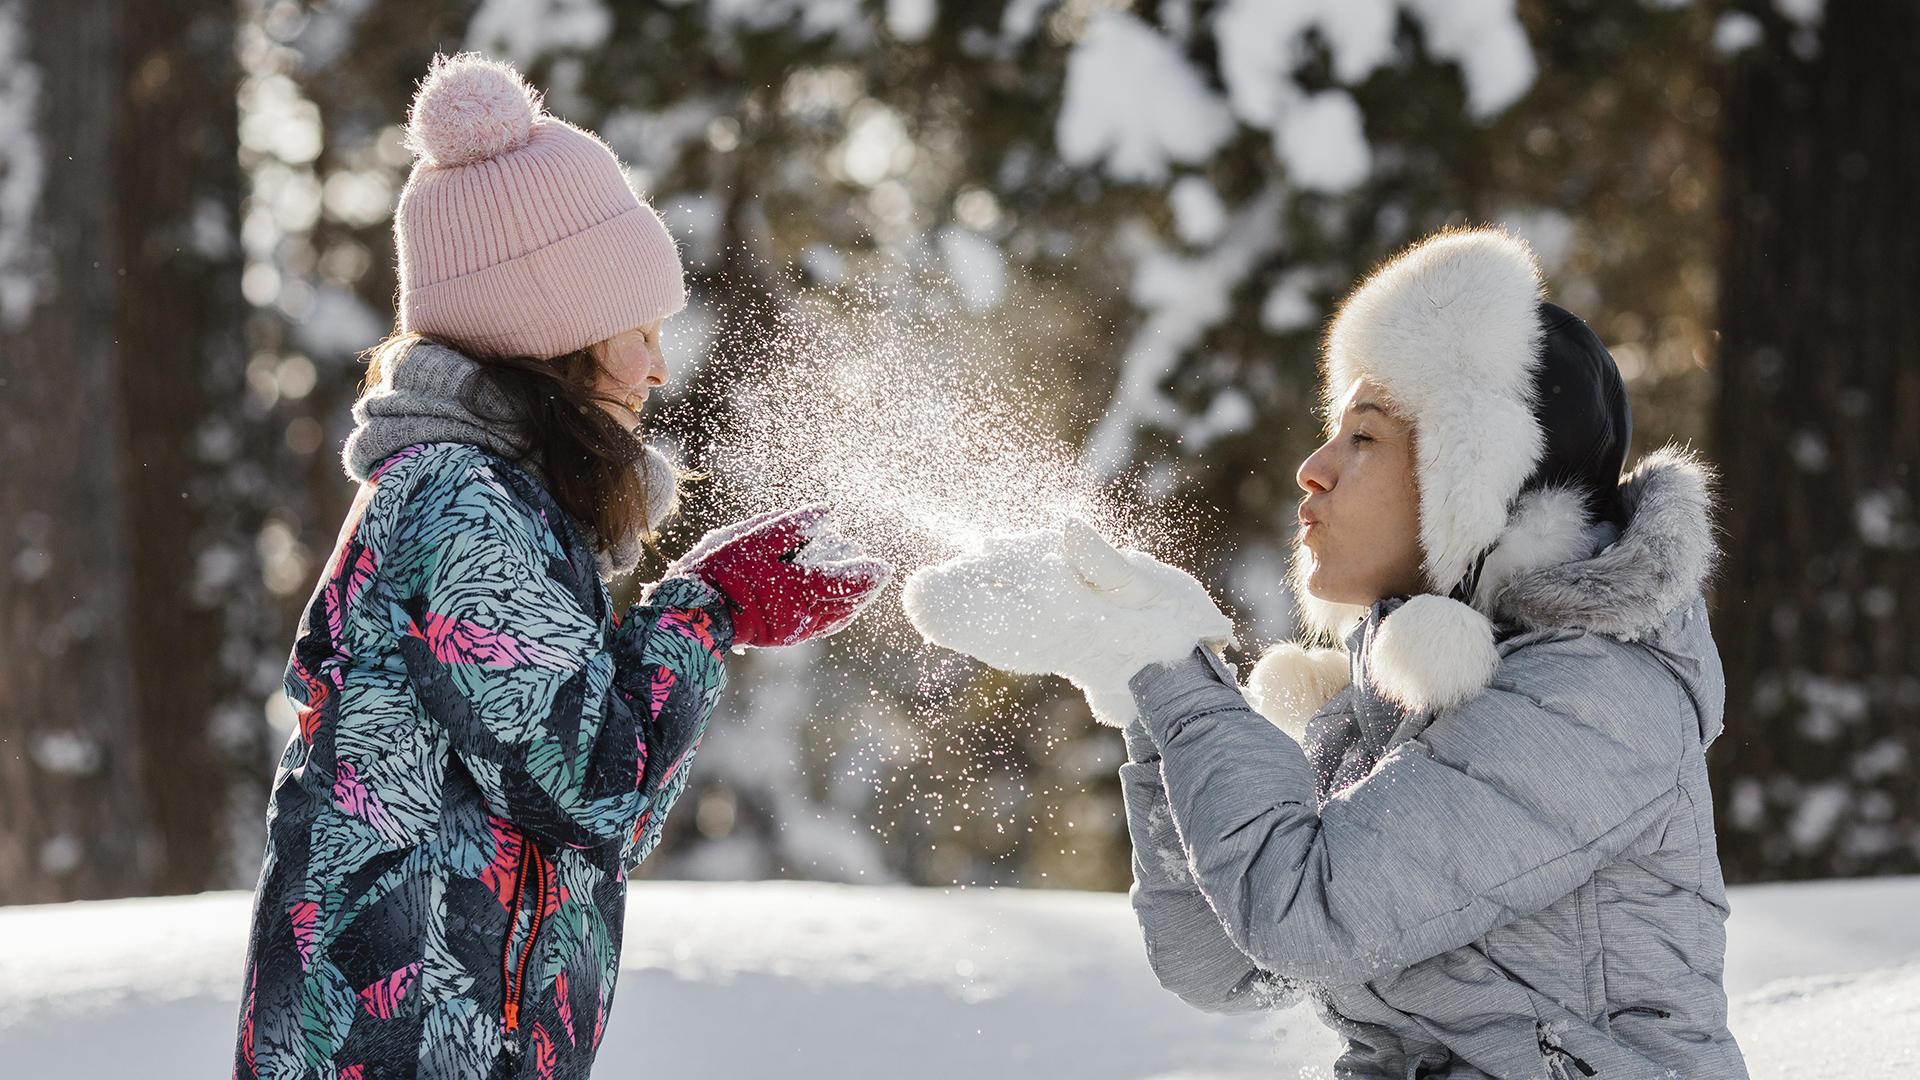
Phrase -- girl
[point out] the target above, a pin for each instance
(1484, 839)
(485, 749)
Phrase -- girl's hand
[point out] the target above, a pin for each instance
(786, 577)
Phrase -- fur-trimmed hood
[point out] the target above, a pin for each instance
(1629, 588)
(1553, 569)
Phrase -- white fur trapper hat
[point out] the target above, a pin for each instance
(1451, 329)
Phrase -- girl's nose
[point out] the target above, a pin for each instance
(656, 366)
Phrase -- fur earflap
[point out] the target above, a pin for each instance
(1290, 684)
(1432, 653)
(1450, 330)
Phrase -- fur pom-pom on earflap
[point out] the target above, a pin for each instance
(1291, 682)
(470, 108)
(1432, 653)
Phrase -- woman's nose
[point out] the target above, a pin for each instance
(656, 366)
(1312, 476)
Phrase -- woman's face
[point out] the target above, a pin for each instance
(1361, 517)
(631, 365)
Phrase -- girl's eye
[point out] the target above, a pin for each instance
(1360, 437)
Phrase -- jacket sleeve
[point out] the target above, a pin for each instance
(1187, 947)
(1499, 808)
(577, 737)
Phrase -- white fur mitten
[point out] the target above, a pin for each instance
(1065, 603)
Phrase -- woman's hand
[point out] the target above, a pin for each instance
(1066, 603)
(786, 577)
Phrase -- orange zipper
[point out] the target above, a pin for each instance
(515, 974)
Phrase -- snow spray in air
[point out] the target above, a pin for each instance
(909, 419)
(928, 428)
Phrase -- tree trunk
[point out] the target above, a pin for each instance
(134, 593)
(71, 811)
(192, 469)
(1818, 431)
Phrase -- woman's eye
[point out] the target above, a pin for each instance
(1360, 437)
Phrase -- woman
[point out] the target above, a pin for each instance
(1490, 852)
(485, 748)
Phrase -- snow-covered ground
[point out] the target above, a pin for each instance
(794, 979)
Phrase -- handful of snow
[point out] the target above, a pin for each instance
(1065, 602)
(827, 548)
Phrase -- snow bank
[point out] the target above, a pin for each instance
(774, 978)
(803, 979)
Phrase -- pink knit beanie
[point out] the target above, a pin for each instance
(517, 232)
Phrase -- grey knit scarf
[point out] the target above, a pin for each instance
(431, 393)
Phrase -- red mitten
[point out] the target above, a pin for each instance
(786, 576)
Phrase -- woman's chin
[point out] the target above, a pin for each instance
(1327, 590)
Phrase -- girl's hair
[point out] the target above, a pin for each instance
(597, 469)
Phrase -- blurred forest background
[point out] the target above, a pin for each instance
(1160, 199)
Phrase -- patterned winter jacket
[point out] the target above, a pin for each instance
(1524, 885)
(483, 752)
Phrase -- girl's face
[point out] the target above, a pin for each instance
(631, 365)
(1361, 517)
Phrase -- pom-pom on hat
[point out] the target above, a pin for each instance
(517, 232)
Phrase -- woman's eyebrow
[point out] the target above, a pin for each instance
(1369, 406)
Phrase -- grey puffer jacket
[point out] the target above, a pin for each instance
(1524, 885)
